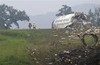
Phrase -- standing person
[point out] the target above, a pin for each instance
(30, 25)
(34, 26)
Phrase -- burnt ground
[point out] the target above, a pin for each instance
(80, 56)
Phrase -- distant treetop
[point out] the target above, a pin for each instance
(64, 10)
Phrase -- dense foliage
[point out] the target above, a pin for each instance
(9, 15)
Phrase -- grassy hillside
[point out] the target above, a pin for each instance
(12, 47)
(33, 47)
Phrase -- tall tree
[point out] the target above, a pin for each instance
(97, 16)
(91, 16)
(64, 10)
(94, 17)
(9, 15)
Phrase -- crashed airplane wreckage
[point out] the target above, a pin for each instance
(69, 20)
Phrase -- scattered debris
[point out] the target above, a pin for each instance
(89, 55)
(80, 56)
(55, 35)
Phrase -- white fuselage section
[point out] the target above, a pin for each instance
(63, 21)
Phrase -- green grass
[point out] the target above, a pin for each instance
(13, 48)
(14, 44)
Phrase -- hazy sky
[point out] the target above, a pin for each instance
(35, 7)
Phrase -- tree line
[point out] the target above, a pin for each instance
(94, 17)
(10, 15)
